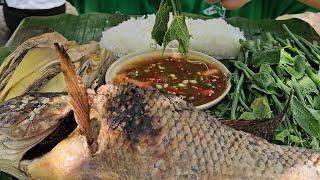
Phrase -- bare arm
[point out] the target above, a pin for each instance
(235, 4)
(313, 3)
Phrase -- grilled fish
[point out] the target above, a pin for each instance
(24, 122)
(134, 133)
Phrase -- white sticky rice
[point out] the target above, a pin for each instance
(214, 37)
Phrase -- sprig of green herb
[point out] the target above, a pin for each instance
(177, 30)
(161, 23)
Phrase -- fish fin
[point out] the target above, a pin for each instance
(264, 128)
(77, 93)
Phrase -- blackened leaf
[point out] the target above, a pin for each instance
(161, 23)
(178, 31)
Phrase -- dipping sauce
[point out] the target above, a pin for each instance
(194, 81)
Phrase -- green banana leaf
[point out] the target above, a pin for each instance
(89, 27)
(4, 176)
(4, 52)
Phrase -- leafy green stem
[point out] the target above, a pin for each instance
(284, 87)
(224, 110)
(247, 45)
(315, 51)
(243, 67)
(174, 8)
(244, 105)
(297, 90)
(280, 108)
(314, 77)
(236, 97)
(179, 7)
(300, 45)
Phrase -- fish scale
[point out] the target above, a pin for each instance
(146, 134)
(179, 142)
(200, 148)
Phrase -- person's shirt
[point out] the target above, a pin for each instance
(34, 4)
(256, 9)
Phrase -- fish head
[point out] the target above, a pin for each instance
(128, 124)
(25, 121)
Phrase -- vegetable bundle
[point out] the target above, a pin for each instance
(265, 73)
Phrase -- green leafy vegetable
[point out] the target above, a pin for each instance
(308, 86)
(283, 135)
(264, 77)
(248, 116)
(271, 68)
(292, 64)
(316, 102)
(260, 109)
(270, 57)
(315, 78)
(306, 119)
(300, 45)
(314, 143)
(161, 23)
(178, 31)
(300, 64)
(265, 81)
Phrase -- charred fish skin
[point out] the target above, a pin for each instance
(144, 134)
(177, 141)
(24, 122)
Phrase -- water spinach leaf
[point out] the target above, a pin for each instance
(308, 86)
(292, 64)
(307, 120)
(265, 82)
(270, 57)
(260, 109)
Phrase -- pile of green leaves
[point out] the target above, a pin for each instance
(265, 73)
(177, 30)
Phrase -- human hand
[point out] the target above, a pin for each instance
(230, 4)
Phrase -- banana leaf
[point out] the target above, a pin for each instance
(87, 27)
(4, 176)
(4, 52)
